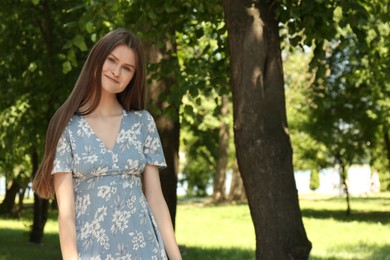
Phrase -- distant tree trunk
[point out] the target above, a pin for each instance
(263, 146)
(167, 120)
(387, 144)
(237, 190)
(8, 204)
(21, 194)
(223, 156)
(314, 179)
(344, 184)
(41, 207)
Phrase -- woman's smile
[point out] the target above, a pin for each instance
(112, 79)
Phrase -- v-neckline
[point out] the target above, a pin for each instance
(99, 139)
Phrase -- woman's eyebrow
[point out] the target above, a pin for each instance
(116, 58)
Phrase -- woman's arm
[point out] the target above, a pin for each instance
(153, 193)
(63, 185)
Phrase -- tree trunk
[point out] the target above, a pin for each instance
(237, 191)
(223, 158)
(8, 204)
(167, 120)
(170, 143)
(314, 179)
(21, 194)
(344, 184)
(262, 142)
(387, 143)
(41, 207)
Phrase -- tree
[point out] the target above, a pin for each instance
(33, 35)
(223, 153)
(262, 143)
(237, 190)
(205, 118)
(350, 91)
(165, 93)
(308, 153)
(314, 179)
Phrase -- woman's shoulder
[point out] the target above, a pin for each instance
(73, 122)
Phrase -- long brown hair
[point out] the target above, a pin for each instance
(88, 87)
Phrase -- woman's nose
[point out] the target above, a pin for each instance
(115, 71)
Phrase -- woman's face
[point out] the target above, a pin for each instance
(118, 69)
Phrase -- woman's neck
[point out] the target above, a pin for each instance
(108, 106)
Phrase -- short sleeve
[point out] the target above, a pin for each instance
(63, 158)
(152, 147)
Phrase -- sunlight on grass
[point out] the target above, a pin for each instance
(226, 231)
(51, 226)
(215, 226)
(363, 235)
(215, 232)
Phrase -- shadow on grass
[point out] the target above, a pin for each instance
(355, 199)
(26, 215)
(360, 251)
(196, 253)
(340, 215)
(15, 245)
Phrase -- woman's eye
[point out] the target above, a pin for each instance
(127, 68)
(111, 59)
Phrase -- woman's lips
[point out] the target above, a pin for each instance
(112, 79)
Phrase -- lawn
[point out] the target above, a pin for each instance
(226, 231)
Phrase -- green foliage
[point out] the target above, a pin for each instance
(314, 179)
(203, 62)
(308, 153)
(337, 105)
(199, 139)
(47, 42)
(33, 85)
(197, 175)
(347, 111)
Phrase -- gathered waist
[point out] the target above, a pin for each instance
(83, 176)
(120, 180)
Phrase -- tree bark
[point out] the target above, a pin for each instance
(8, 204)
(262, 141)
(387, 143)
(223, 156)
(170, 143)
(167, 121)
(41, 206)
(237, 190)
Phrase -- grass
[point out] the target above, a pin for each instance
(226, 231)
(215, 232)
(363, 235)
(14, 237)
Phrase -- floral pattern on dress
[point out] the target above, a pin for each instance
(113, 217)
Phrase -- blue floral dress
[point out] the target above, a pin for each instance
(113, 218)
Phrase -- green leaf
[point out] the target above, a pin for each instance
(66, 67)
(35, 2)
(32, 67)
(89, 27)
(152, 15)
(79, 42)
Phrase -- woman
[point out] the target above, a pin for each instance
(101, 160)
